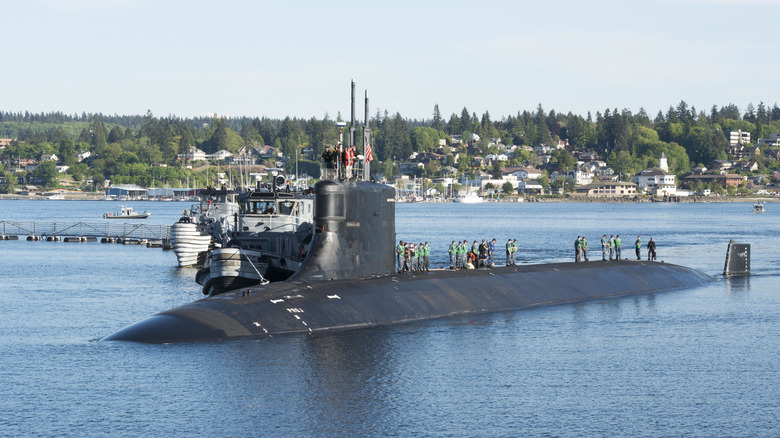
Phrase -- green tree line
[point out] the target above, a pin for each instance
(127, 148)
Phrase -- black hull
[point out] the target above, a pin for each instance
(289, 308)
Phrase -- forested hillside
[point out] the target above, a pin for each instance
(126, 148)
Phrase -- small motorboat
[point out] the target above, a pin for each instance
(758, 207)
(126, 213)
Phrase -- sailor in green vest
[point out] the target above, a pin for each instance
(577, 250)
(611, 246)
(584, 248)
(426, 257)
(638, 245)
(453, 254)
(604, 247)
(418, 257)
(618, 247)
(399, 251)
(514, 251)
(509, 252)
(475, 248)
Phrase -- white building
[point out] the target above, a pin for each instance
(194, 154)
(738, 137)
(657, 180)
(219, 155)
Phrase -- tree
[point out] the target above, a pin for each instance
(508, 188)
(9, 183)
(46, 172)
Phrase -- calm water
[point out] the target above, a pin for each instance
(698, 362)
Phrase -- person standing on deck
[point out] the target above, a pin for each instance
(400, 250)
(427, 257)
(638, 245)
(453, 250)
(577, 250)
(651, 250)
(584, 248)
(509, 252)
(611, 246)
(618, 247)
(514, 251)
(604, 247)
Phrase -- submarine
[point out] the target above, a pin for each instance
(348, 281)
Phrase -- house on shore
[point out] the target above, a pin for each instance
(657, 180)
(607, 189)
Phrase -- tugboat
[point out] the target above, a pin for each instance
(126, 213)
(271, 235)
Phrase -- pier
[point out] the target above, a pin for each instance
(105, 232)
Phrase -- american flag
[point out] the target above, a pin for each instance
(369, 154)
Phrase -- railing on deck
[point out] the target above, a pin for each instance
(85, 229)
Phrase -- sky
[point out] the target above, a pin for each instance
(297, 58)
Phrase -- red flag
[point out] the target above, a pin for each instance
(369, 155)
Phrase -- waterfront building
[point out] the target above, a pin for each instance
(611, 189)
(657, 180)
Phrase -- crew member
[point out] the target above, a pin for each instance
(611, 246)
(584, 248)
(577, 250)
(514, 251)
(638, 245)
(346, 160)
(482, 254)
(427, 257)
(604, 247)
(618, 247)
(400, 250)
(453, 254)
(330, 156)
(509, 252)
(651, 250)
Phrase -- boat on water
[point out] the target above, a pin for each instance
(55, 197)
(268, 242)
(194, 235)
(468, 198)
(126, 213)
(347, 280)
(758, 207)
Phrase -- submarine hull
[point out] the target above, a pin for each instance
(293, 307)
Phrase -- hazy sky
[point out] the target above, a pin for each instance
(296, 58)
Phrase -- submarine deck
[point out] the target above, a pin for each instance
(292, 307)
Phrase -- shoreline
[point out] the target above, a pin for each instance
(573, 199)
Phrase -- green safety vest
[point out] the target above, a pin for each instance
(618, 242)
(400, 249)
(453, 249)
(509, 246)
(426, 251)
(603, 241)
(638, 243)
(583, 243)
